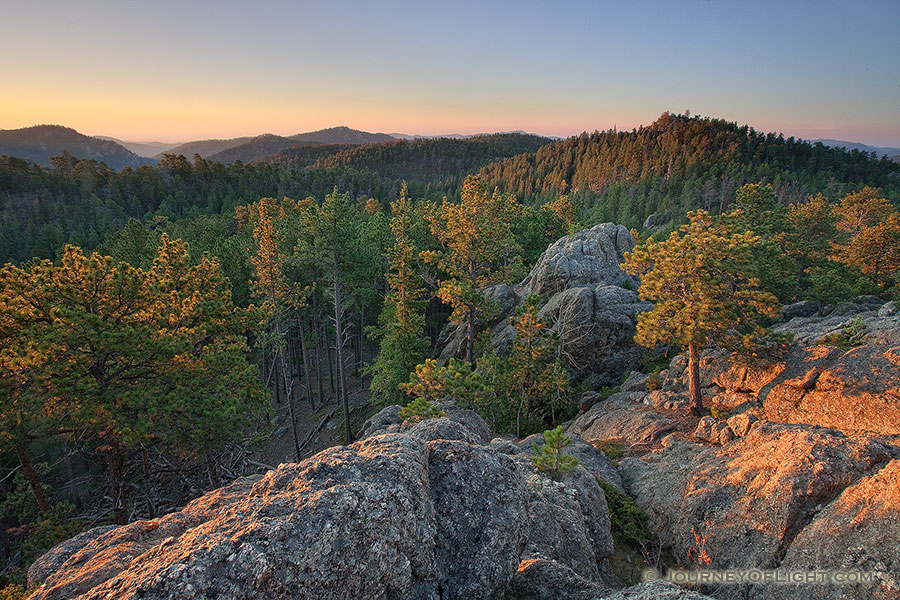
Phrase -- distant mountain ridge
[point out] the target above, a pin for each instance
(40, 142)
(466, 136)
(879, 150)
(145, 149)
(342, 135)
(247, 149)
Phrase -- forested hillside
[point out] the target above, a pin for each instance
(81, 201)
(676, 164)
(679, 163)
(41, 142)
(434, 163)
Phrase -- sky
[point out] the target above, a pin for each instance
(181, 70)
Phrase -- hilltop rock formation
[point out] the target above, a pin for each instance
(397, 515)
(585, 295)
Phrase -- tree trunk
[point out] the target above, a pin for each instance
(306, 369)
(212, 472)
(145, 460)
(339, 343)
(116, 463)
(288, 386)
(519, 421)
(470, 338)
(319, 370)
(694, 380)
(31, 477)
(70, 474)
(276, 366)
(330, 367)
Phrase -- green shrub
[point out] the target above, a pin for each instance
(654, 382)
(611, 448)
(628, 521)
(419, 410)
(853, 334)
(719, 414)
(760, 347)
(551, 456)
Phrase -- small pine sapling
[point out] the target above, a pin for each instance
(419, 410)
(551, 455)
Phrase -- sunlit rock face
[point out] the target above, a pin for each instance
(793, 496)
(396, 515)
(818, 382)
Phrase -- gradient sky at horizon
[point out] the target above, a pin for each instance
(175, 71)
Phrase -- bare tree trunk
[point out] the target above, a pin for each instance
(116, 463)
(306, 369)
(287, 383)
(31, 477)
(694, 379)
(145, 460)
(330, 368)
(470, 338)
(319, 370)
(358, 349)
(212, 472)
(339, 344)
(70, 474)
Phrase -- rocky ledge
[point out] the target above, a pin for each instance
(428, 511)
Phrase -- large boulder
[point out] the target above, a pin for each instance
(589, 300)
(623, 417)
(768, 500)
(396, 515)
(587, 258)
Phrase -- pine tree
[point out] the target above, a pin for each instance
(403, 344)
(127, 355)
(871, 236)
(331, 240)
(277, 294)
(698, 280)
(478, 249)
(535, 373)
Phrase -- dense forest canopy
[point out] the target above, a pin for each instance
(676, 164)
(681, 163)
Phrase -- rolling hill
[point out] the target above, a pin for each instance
(342, 135)
(204, 148)
(433, 160)
(247, 149)
(145, 149)
(40, 142)
(681, 163)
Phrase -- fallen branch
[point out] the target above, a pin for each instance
(318, 428)
(261, 465)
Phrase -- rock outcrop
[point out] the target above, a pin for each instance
(623, 416)
(783, 495)
(396, 515)
(585, 295)
(819, 382)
